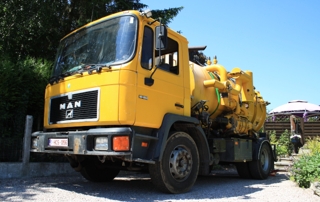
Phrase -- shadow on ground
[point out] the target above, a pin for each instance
(138, 187)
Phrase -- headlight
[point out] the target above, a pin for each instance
(34, 143)
(101, 143)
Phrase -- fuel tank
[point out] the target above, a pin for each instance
(230, 95)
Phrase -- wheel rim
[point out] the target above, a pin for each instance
(264, 159)
(180, 163)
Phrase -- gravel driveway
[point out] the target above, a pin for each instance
(219, 186)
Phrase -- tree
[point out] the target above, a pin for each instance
(30, 28)
(30, 32)
(166, 15)
(29, 36)
(33, 28)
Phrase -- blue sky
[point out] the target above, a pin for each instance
(279, 41)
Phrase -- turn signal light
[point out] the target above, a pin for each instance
(144, 144)
(120, 143)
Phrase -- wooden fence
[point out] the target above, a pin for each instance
(309, 129)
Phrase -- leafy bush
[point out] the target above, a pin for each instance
(313, 144)
(22, 85)
(284, 146)
(306, 170)
(273, 137)
(283, 143)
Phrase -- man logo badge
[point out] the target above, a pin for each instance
(70, 105)
(69, 114)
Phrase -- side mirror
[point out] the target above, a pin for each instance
(161, 44)
(161, 37)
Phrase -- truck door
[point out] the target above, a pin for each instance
(166, 95)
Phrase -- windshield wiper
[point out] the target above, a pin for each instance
(89, 68)
(79, 70)
(98, 67)
(53, 79)
(56, 79)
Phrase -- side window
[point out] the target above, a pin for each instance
(169, 57)
(147, 49)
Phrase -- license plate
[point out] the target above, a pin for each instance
(55, 142)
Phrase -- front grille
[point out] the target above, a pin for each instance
(74, 107)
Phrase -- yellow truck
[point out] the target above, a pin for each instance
(125, 95)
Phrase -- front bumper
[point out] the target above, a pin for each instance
(83, 143)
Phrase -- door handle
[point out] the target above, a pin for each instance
(178, 105)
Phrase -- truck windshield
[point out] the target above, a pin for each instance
(111, 41)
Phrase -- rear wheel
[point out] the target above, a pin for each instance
(261, 168)
(95, 171)
(178, 169)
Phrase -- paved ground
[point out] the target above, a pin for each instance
(219, 186)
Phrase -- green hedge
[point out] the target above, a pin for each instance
(306, 170)
(22, 85)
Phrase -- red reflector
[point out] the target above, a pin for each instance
(120, 143)
(144, 144)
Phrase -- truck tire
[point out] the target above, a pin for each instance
(178, 169)
(94, 172)
(243, 170)
(261, 168)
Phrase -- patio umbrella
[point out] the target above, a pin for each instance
(299, 108)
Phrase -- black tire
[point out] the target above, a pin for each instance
(178, 169)
(243, 170)
(261, 168)
(94, 171)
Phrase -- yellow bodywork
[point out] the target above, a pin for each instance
(236, 98)
(124, 99)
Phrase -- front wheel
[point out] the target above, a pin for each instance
(178, 169)
(95, 171)
(261, 168)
